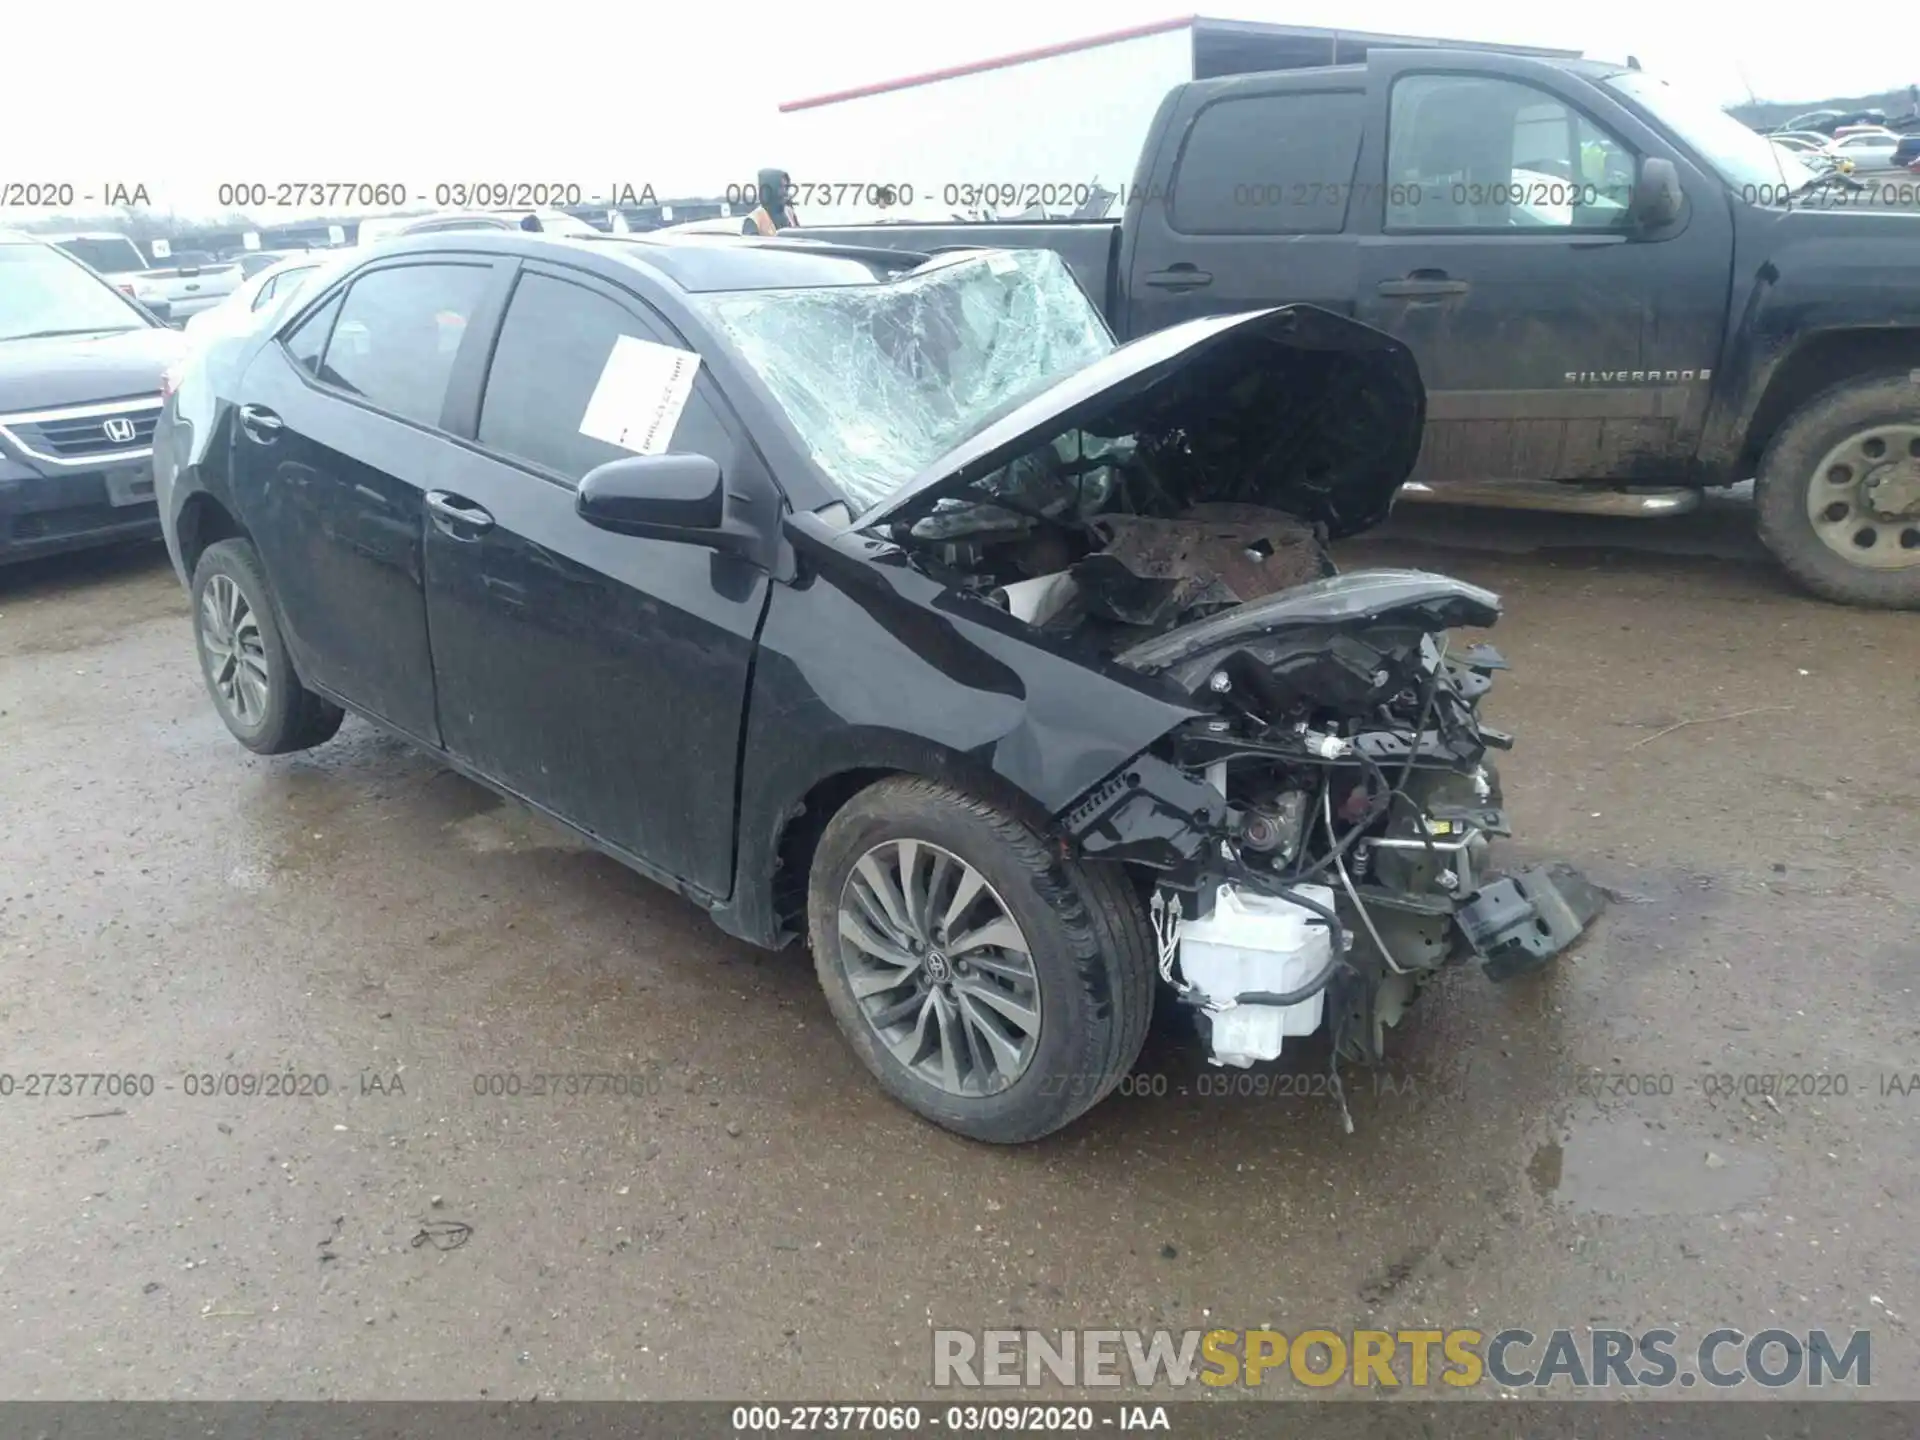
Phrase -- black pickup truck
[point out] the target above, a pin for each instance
(1607, 285)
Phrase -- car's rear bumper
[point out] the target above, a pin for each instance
(47, 514)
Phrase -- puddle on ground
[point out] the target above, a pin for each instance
(1627, 1168)
(512, 829)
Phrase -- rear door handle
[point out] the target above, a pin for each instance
(261, 423)
(1424, 283)
(451, 510)
(1179, 277)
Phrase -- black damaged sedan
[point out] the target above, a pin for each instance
(882, 601)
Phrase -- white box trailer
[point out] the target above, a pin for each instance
(1041, 130)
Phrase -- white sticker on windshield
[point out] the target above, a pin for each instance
(1001, 263)
(642, 390)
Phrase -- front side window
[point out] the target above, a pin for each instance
(1467, 152)
(552, 356)
(397, 334)
(553, 349)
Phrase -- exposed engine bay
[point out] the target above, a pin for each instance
(1342, 768)
(1316, 844)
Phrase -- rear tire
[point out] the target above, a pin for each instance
(244, 660)
(1077, 955)
(1816, 480)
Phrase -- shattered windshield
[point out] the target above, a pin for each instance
(881, 380)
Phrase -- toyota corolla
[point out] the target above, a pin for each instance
(881, 602)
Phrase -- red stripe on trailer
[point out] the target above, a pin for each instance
(977, 67)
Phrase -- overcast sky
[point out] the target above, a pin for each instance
(684, 96)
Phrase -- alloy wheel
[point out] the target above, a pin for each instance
(939, 968)
(233, 651)
(1864, 499)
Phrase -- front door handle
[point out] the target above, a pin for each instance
(451, 510)
(1182, 276)
(261, 423)
(1424, 283)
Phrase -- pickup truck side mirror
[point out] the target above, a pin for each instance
(1657, 196)
(664, 497)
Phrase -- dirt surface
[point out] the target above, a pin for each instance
(1735, 760)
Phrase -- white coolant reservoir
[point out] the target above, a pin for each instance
(1257, 942)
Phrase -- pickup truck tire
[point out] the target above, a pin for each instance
(1017, 986)
(244, 660)
(1818, 482)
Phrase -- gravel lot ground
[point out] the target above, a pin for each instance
(1735, 760)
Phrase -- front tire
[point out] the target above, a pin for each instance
(1838, 493)
(244, 660)
(990, 987)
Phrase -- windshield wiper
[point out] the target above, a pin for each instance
(89, 330)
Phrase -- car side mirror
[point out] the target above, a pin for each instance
(1657, 196)
(162, 310)
(663, 497)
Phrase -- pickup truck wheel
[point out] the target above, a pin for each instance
(245, 662)
(989, 986)
(1838, 493)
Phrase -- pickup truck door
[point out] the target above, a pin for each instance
(601, 676)
(1253, 181)
(1558, 339)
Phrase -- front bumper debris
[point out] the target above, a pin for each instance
(1519, 923)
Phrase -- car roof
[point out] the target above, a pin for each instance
(669, 272)
(689, 263)
(298, 259)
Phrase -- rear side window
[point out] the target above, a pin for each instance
(551, 352)
(1269, 165)
(308, 342)
(398, 332)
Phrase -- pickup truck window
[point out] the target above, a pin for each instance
(1470, 152)
(1269, 165)
(109, 254)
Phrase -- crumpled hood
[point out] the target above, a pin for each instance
(1296, 408)
(62, 370)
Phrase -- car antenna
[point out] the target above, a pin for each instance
(1772, 149)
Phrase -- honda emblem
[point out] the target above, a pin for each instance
(119, 429)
